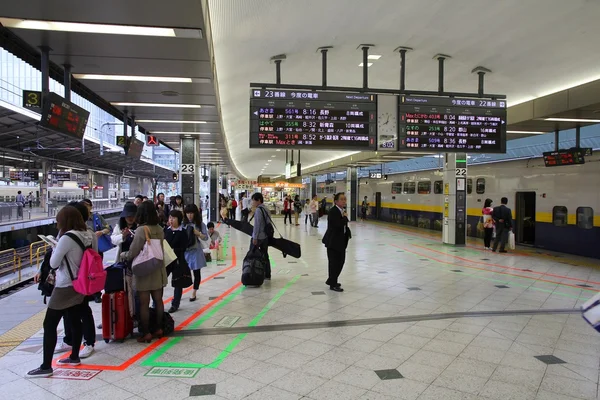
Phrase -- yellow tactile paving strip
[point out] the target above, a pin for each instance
(17, 335)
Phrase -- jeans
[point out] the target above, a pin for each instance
(51, 321)
(287, 214)
(87, 325)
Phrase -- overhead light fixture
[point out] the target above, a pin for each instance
(374, 57)
(278, 150)
(206, 143)
(269, 160)
(178, 133)
(18, 159)
(100, 28)
(527, 132)
(571, 120)
(134, 78)
(170, 105)
(169, 121)
(368, 64)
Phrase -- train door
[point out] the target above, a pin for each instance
(525, 218)
(377, 205)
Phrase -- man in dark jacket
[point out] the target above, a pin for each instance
(336, 240)
(502, 216)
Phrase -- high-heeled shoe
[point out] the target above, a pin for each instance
(147, 338)
(158, 334)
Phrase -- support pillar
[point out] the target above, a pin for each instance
(352, 193)
(45, 69)
(67, 79)
(102, 180)
(189, 185)
(213, 211)
(313, 186)
(44, 186)
(454, 229)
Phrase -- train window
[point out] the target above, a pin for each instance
(585, 217)
(396, 188)
(469, 186)
(480, 186)
(424, 187)
(409, 188)
(438, 187)
(559, 216)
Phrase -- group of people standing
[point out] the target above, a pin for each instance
(498, 219)
(183, 229)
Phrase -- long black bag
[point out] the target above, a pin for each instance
(253, 269)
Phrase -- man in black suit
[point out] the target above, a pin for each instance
(502, 216)
(336, 240)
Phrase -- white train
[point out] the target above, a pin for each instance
(555, 208)
(57, 194)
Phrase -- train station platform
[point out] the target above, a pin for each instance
(417, 320)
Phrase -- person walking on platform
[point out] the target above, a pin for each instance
(297, 209)
(287, 210)
(314, 212)
(245, 210)
(488, 223)
(336, 240)
(149, 285)
(179, 241)
(65, 260)
(20, 203)
(502, 216)
(364, 208)
(194, 255)
(260, 238)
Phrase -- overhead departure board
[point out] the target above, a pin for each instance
(564, 157)
(444, 124)
(63, 116)
(312, 120)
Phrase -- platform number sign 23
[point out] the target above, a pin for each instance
(188, 168)
(461, 172)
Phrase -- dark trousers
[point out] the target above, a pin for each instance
(306, 216)
(336, 260)
(287, 214)
(51, 321)
(501, 237)
(245, 213)
(197, 279)
(263, 245)
(487, 237)
(87, 325)
(232, 213)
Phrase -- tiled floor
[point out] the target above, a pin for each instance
(401, 273)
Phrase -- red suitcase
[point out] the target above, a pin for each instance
(116, 319)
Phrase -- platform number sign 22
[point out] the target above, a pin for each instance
(461, 172)
(188, 168)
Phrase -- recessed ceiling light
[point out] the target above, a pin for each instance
(169, 121)
(273, 156)
(178, 133)
(170, 105)
(278, 150)
(99, 28)
(269, 160)
(572, 120)
(527, 132)
(368, 64)
(374, 57)
(132, 78)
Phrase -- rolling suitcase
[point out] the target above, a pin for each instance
(116, 318)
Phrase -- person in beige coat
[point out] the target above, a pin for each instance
(151, 285)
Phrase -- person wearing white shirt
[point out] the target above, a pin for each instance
(314, 211)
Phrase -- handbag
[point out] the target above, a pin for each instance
(182, 276)
(511, 240)
(104, 241)
(150, 258)
(168, 254)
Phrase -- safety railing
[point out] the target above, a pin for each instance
(10, 258)
(34, 251)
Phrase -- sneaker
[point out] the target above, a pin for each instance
(61, 348)
(68, 361)
(86, 351)
(40, 373)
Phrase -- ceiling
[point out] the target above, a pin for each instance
(91, 53)
(25, 145)
(531, 53)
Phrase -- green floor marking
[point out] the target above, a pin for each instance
(151, 361)
(473, 275)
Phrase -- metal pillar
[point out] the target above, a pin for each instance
(556, 140)
(577, 136)
(67, 83)
(213, 212)
(44, 186)
(352, 193)
(365, 51)
(403, 50)
(45, 67)
(188, 182)
(313, 186)
(454, 230)
(481, 71)
(125, 125)
(324, 51)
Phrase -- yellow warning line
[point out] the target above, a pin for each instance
(17, 335)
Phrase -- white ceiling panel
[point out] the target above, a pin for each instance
(533, 47)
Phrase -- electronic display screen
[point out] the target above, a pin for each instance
(375, 175)
(312, 120)
(444, 124)
(563, 157)
(63, 116)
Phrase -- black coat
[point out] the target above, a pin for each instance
(337, 235)
(504, 213)
(178, 240)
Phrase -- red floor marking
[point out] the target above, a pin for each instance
(506, 267)
(159, 342)
(496, 272)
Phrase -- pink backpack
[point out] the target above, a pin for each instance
(92, 276)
